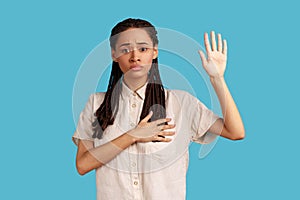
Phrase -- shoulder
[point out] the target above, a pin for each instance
(180, 95)
(98, 95)
(96, 99)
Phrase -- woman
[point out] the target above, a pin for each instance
(128, 133)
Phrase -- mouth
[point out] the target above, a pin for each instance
(135, 67)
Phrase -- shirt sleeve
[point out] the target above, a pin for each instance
(201, 119)
(86, 122)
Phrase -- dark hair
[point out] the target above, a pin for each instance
(155, 93)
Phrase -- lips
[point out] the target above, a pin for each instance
(135, 67)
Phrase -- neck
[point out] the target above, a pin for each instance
(135, 84)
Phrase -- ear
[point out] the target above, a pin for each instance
(155, 52)
(113, 55)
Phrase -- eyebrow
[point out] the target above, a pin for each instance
(127, 44)
(124, 44)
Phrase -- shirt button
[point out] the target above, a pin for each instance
(133, 164)
(134, 94)
(135, 182)
(132, 124)
(133, 105)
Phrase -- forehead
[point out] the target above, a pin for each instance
(134, 35)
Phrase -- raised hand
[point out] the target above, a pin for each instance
(215, 61)
(152, 131)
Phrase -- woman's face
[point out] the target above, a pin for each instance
(134, 52)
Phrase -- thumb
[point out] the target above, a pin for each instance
(146, 119)
(203, 58)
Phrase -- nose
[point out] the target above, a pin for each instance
(134, 56)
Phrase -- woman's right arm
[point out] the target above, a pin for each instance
(89, 157)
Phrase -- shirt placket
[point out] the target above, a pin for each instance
(133, 155)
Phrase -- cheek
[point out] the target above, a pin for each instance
(148, 62)
(123, 68)
(148, 59)
(123, 64)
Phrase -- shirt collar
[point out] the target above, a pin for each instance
(127, 92)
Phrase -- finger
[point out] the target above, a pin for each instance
(213, 41)
(203, 58)
(164, 139)
(146, 119)
(167, 133)
(156, 138)
(169, 126)
(160, 122)
(206, 43)
(219, 42)
(161, 139)
(225, 47)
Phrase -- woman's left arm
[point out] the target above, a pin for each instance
(214, 63)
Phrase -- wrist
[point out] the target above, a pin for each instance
(131, 137)
(217, 77)
(217, 81)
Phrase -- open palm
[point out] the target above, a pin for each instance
(215, 62)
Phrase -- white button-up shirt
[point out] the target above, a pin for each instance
(153, 170)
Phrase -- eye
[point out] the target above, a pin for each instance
(143, 49)
(125, 51)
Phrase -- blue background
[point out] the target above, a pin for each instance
(43, 44)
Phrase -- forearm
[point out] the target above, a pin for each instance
(89, 158)
(233, 125)
(96, 157)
